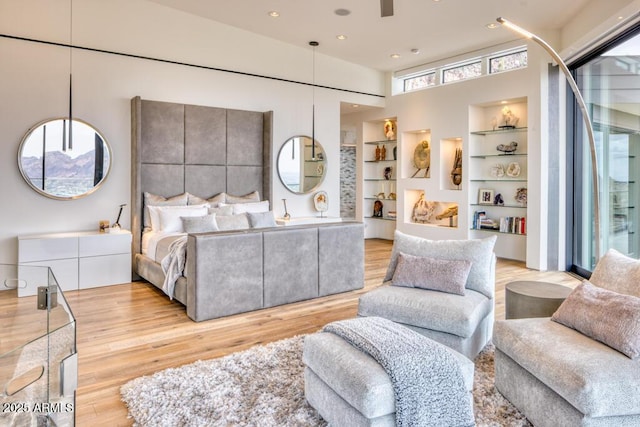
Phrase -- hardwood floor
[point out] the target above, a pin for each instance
(130, 330)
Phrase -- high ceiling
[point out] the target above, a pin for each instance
(436, 28)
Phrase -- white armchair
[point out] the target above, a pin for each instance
(463, 322)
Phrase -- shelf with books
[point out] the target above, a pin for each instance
(498, 174)
(503, 224)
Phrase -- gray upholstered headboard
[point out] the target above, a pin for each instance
(201, 150)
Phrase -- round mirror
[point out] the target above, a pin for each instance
(64, 160)
(301, 164)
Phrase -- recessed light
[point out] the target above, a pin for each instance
(341, 37)
(492, 26)
(355, 105)
(274, 14)
(342, 12)
(620, 18)
(395, 55)
(503, 102)
(415, 51)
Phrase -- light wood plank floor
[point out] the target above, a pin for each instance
(130, 330)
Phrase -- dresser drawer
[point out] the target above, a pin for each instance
(104, 244)
(42, 249)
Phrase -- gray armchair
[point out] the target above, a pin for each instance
(461, 322)
(567, 376)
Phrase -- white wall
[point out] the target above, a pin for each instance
(444, 110)
(34, 86)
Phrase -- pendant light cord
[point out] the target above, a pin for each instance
(70, 74)
(314, 44)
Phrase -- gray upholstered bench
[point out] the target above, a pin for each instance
(348, 387)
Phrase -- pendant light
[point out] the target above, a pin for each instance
(313, 44)
(70, 145)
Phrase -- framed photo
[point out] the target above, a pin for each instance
(485, 197)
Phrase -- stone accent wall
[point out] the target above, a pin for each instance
(348, 182)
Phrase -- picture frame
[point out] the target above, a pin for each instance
(485, 196)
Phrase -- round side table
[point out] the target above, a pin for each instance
(533, 299)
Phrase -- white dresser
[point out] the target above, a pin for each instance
(78, 260)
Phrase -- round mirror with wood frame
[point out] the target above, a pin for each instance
(63, 159)
(302, 164)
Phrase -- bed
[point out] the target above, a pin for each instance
(207, 158)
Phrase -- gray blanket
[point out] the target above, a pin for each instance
(173, 264)
(428, 384)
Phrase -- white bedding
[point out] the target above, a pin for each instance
(150, 241)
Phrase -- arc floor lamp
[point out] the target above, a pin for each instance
(585, 117)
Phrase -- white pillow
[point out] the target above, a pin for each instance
(170, 221)
(253, 207)
(154, 213)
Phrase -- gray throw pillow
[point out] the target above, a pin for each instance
(261, 219)
(199, 224)
(430, 273)
(617, 272)
(606, 316)
(478, 251)
(156, 200)
(233, 222)
(247, 198)
(213, 201)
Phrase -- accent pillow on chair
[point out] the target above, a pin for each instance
(617, 272)
(604, 315)
(431, 273)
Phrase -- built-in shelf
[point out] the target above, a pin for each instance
(499, 130)
(499, 206)
(385, 141)
(489, 230)
(484, 156)
(379, 173)
(499, 180)
(381, 218)
(488, 173)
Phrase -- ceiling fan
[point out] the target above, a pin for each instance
(386, 8)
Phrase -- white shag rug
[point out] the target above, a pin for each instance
(264, 386)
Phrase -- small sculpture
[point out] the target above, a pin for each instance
(383, 153)
(286, 215)
(498, 200)
(389, 129)
(521, 196)
(422, 158)
(377, 209)
(451, 211)
(510, 120)
(497, 171)
(509, 148)
(422, 210)
(378, 151)
(513, 170)
(387, 172)
(321, 202)
(456, 172)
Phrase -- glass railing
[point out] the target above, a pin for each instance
(38, 359)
